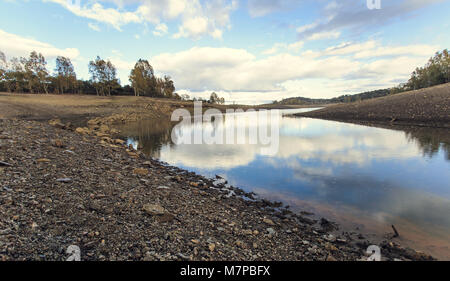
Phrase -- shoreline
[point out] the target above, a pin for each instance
(378, 123)
(85, 126)
(427, 107)
(119, 199)
(79, 109)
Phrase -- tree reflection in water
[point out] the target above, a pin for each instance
(151, 135)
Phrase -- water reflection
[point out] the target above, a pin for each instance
(148, 136)
(360, 176)
(430, 141)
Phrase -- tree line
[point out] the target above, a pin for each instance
(435, 72)
(340, 99)
(31, 75)
(213, 99)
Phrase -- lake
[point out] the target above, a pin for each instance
(364, 178)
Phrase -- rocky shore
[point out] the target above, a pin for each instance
(62, 186)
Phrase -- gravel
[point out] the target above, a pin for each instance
(58, 191)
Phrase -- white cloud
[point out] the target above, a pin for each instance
(412, 50)
(293, 47)
(324, 35)
(373, 49)
(123, 66)
(347, 48)
(259, 8)
(362, 147)
(161, 29)
(347, 15)
(15, 45)
(276, 47)
(193, 27)
(296, 46)
(306, 27)
(94, 26)
(99, 13)
(238, 70)
(210, 19)
(240, 76)
(197, 18)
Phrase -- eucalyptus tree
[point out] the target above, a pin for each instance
(3, 66)
(103, 76)
(169, 87)
(3, 70)
(15, 76)
(142, 78)
(65, 76)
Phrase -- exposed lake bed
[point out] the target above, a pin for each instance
(365, 178)
(124, 191)
(62, 189)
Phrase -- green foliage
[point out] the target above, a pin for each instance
(185, 97)
(36, 73)
(145, 83)
(22, 74)
(103, 76)
(143, 79)
(435, 72)
(3, 71)
(340, 99)
(15, 76)
(65, 78)
(30, 75)
(215, 99)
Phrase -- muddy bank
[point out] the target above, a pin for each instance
(426, 107)
(60, 188)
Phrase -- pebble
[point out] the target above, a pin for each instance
(268, 221)
(64, 180)
(153, 209)
(115, 215)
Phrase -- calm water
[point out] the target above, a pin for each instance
(365, 178)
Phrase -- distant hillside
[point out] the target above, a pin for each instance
(340, 99)
(425, 107)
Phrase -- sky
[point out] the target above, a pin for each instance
(247, 51)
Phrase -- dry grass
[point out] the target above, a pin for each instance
(82, 107)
